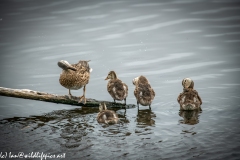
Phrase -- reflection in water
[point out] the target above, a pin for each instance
(189, 117)
(145, 117)
(72, 126)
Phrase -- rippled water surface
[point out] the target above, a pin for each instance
(164, 40)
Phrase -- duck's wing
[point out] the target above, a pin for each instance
(153, 93)
(116, 89)
(199, 98)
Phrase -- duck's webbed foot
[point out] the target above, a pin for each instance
(82, 98)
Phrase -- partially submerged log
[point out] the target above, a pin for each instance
(43, 96)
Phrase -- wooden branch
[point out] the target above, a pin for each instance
(43, 96)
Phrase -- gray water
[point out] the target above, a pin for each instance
(164, 40)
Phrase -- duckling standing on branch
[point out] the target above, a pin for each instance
(116, 88)
(75, 76)
(189, 99)
(143, 91)
(106, 116)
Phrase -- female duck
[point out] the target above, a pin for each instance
(75, 76)
(116, 88)
(106, 116)
(143, 91)
(189, 99)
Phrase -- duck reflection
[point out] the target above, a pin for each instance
(189, 117)
(145, 117)
(72, 126)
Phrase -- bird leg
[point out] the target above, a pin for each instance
(150, 107)
(114, 101)
(69, 94)
(83, 96)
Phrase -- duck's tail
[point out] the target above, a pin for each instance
(65, 65)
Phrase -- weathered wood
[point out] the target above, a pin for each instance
(43, 96)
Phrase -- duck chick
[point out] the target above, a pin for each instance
(116, 88)
(143, 91)
(189, 99)
(105, 115)
(75, 76)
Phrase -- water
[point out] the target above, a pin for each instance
(165, 41)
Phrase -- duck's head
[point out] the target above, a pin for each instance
(187, 83)
(140, 80)
(111, 75)
(135, 81)
(102, 106)
(86, 65)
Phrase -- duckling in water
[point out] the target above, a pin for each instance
(105, 115)
(116, 88)
(143, 91)
(75, 76)
(189, 99)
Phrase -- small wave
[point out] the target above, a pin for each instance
(133, 19)
(170, 57)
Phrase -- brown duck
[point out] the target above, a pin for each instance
(105, 115)
(116, 88)
(189, 99)
(143, 91)
(75, 76)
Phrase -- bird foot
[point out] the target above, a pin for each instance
(70, 96)
(82, 98)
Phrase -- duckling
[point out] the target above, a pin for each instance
(105, 115)
(116, 88)
(189, 99)
(143, 91)
(75, 76)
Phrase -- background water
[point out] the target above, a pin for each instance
(164, 40)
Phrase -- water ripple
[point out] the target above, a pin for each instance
(65, 55)
(110, 36)
(93, 17)
(216, 10)
(173, 69)
(231, 70)
(200, 77)
(221, 34)
(44, 6)
(97, 28)
(179, 21)
(170, 57)
(140, 18)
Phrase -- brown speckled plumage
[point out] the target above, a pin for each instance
(77, 79)
(116, 88)
(189, 99)
(143, 91)
(106, 116)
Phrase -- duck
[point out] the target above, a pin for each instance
(75, 76)
(189, 99)
(116, 88)
(106, 116)
(143, 92)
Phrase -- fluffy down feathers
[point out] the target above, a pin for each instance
(143, 91)
(189, 99)
(106, 116)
